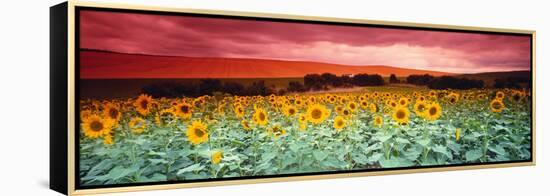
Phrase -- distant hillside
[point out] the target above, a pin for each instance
(102, 64)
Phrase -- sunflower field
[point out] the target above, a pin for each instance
(147, 139)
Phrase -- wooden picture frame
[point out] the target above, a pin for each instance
(67, 134)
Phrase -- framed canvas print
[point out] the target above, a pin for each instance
(149, 98)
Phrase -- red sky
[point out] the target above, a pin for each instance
(209, 37)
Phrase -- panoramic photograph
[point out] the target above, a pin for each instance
(185, 98)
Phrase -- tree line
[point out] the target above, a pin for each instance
(445, 82)
(312, 82)
(451, 82)
(318, 82)
(206, 87)
(324, 81)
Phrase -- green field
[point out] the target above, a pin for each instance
(179, 139)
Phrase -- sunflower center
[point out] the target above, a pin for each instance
(144, 104)
(261, 116)
(516, 97)
(420, 107)
(352, 106)
(291, 111)
(277, 131)
(113, 113)
(316, 114)
(378, 121)
(346, 112)
(96, 126)
(433, 111)
(184, 109)
(340, 123)
(402, 102)
(400, 114)
(199, 132)
(497, 105)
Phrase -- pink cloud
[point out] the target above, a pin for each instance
(458, 52)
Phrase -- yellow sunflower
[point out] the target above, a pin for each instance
(303, 126)
(299, 102)
(432, 112)
(196, 132)
(453, 98)
(158, 121)
(276, 131)
(403, 101)
(289, 110)
(260, 116)
(84, 114)
(517, 96)
(497, 105)
(392, 103)
(332, 99)
(302, 118)
(239, 111)
(111, 111)
(339, 109)
(312, 99)
(95, 126)
(420, 99)
(346, 113)
(481, 97)
(217, 156)
(183, 110)
(221, 109)
(198, 102)
(108, 139)
(137, 125)
(339, 123)
(432, 94)
(245, 125)
(401, 115)
(352, 106)
(499, 95)
(373, 108)
(378, 121)
(364, 104)
(457, 134)
(419, 108)
(143, 104)
(317, 113)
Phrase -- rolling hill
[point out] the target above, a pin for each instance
(103, 64)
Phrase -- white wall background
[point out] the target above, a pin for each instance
(24, 96)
